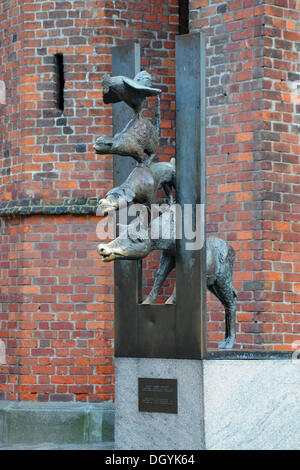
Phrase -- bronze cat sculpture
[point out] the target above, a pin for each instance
(139, 140)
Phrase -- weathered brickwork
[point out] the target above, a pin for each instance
(56, 295)
(57, 315)
(253, 160)
(282, 177)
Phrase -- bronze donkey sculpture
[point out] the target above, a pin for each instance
(219, 264)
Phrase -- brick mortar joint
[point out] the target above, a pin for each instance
(28, 207)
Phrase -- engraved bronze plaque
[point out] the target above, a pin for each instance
(158, 395)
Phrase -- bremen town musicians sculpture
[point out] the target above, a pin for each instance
(139, 140)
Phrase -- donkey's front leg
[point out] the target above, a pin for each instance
(167, 263)
(172, 298)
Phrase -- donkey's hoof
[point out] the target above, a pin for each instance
(228, 343)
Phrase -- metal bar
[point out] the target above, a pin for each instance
(125, 61)
(190, 189)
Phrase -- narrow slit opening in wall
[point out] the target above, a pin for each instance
(60, 80)
(183, 16)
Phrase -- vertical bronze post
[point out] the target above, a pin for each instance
(190, 189)
(125, 61)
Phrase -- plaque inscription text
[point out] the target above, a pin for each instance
(158, 395)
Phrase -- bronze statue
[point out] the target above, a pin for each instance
(139, 140)
(141, 186)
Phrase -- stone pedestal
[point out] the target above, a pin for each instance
(154, 431)
(222, 404)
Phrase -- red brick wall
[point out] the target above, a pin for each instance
(253, 161)
(282, 180)
(9, 114)
(56, 314)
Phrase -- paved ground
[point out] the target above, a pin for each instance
(49, 446)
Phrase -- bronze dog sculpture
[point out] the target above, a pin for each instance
(140, 187)
(219, 264)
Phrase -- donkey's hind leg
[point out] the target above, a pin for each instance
(226, 293)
